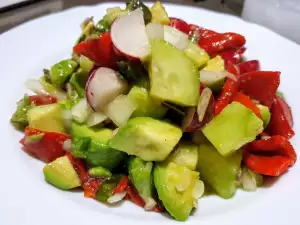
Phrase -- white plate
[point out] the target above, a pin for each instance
(25, 198)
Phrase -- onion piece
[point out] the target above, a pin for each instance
(175, 37)
(251, 180)
(96, 118)
(36, 87)
(67, 117)
(150, 204)
(203, 103)
(188, 119)
(67, 145)
(81, 111)
(198, 189)
(155, 31)
(116, 197)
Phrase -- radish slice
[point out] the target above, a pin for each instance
(188, 119)
(155, 31)
(175, 37)
(203, 103)
(103, 86)
(128, 34)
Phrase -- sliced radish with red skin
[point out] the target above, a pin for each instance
(103, 86)
(196, 118)
(128, 33)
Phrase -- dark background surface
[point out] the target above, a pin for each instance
(12, 15)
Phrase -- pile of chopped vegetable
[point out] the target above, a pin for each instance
(152, 109)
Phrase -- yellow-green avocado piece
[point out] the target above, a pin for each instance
(61, 174)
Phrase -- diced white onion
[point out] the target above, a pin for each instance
(248, 182)
(36, 87)
(175, 37)
(230, 76)
(96, 118)
(67, 117)
(198, 189)
(116, 197)
(67, 146)
(150, 204)
(203, 103)
(188, 118)
(155, 31)
(81, 111)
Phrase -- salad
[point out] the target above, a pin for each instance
(153, 110)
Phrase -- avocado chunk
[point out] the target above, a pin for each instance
(218, 171)
(234, 127)
(173, 76)
(147, 138)
(159, 14)
(140, 174)
(112, 14)
(47, 118)
(19, 118)
(175, 186)
(78, 81)
(61, 174)
(265, 114)
(91, 144)
(61, 71)
(198, 55)
(213, 75)
(185, 155)
(146, 106)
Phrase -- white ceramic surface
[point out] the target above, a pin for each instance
(25, 198)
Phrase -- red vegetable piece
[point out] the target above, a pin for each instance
(249, 66)
(233, 55)
(203, 33)
(100, 51)
(48, 148)
(79, 168)
(90, 187)
(229, 90)
(179, 25)
(246, 101)
(222, 42)
(41, 100)
(122, 186)
(271, 156)
(260, 85)
(281, 122)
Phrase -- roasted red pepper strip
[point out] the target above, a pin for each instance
(246, 101)
(229, 90)
(222, 42)
(233, 55)
(136, 199)
(122, 186)
(90, 187)
(201, 32)
(79, 167)
(41, 100)
(260, 85)
(48, 147)
(271, 156)
(179, 25)
(281, 122)
(249, 66)
(100, 51)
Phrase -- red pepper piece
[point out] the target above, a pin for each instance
(48, 148)
(271, 156)
(233, 55)
(202, 32)
(246, 101)
(100, 51)
(260, 85)
(249, 66)
(90, 187)
(42, 100)
(122, 186)
(79, 168)
(222, 42)
(281, 122)
(134, 196)
(179, 25)
(229, 90)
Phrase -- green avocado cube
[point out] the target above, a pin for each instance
(147, 138)
(173, 76)
(176, 186)
(234, 127)
(265, 114)
(218, 171)
(61, 174)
